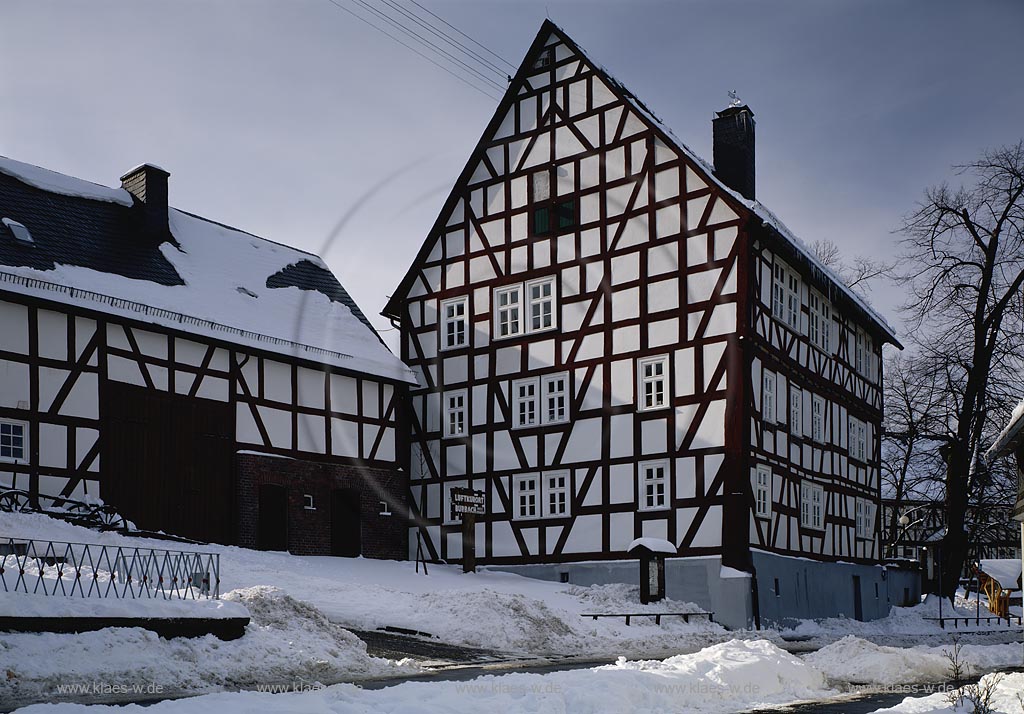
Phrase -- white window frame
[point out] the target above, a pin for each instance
(518, 503)
(522, 405)
(820, 326)
(548, 394)
(642, 380)
(513, 307)
(763, 491)
(857, 440)
(531, 302)
(818, 418)
(23, 426)
(518, 313)
(540, 400)
(786, 295)
(550, 489)
(796, 411)
(812, 510)
(449, 410)
(647, 475)
(769, 383)
(866, 511)
(447, 320)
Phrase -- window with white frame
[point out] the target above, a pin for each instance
(652, 382)
(13, 441)
(763, 492)
(543, 495)
(508, 311)
(653, 485)
(524, 403)
(540, 299)
(768, 396)
(818, 418)
(540, 400)
(527, 496)
(858, 439)
(812, 499)
(455, 323)
(820, 327)
(864, 359)
(796, 411)
(525, 307)
(454, 413)
(556, 493)
(865, 518)
(555, 395)
(786, 294)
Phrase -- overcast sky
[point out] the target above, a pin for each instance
(279, 116)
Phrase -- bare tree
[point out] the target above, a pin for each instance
(911, 468)
(856, 272)
(963, 261)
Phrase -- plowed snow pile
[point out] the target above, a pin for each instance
(287, 641)
(728, 677)
(852, 659)
(1007, 698)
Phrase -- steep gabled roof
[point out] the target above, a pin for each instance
(206, 278)
(837, 290)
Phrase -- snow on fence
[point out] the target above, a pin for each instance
(43, 567)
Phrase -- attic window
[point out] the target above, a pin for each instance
(19, 231)
(545, 59)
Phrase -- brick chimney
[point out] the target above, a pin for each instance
(148, 184)
(733, 133)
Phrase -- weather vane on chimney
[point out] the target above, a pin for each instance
(736, 101)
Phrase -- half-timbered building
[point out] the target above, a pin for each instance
(204, 381)
(614, 340)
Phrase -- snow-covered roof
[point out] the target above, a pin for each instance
(655, 545)
(208, 279)
(1005, 570)
(1010, 434)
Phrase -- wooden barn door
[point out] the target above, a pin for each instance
(166, 461)
(346, 529)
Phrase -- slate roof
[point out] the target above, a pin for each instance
(90, 247)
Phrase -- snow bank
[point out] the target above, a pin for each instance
(32, 605)
(852, 659)
(287, 641)
(901, 621)
(728, 677)
(1008, 689)
(489, 609)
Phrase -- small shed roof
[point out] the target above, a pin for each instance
(655, 545)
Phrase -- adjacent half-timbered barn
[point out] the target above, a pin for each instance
(203, 380)
(614, 340)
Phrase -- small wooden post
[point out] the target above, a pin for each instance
(468, 543)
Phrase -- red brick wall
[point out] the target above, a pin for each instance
(309, 532)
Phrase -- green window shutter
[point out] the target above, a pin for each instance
(566, 214)
(541, 221)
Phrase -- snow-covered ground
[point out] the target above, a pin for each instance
(300, 607)
(727, 677)
(286, 642)
(858, 661)
(490, 610)
(1007, 698)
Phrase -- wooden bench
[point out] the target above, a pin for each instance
(988, 619)
(656, 615)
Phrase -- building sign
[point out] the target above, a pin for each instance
(467, 501)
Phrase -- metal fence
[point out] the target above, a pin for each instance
(44, 567)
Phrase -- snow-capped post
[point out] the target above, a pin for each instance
(467, 504)
(652, 552)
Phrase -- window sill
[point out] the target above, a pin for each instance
(498, 338)
(653, 509)
(647, 410)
